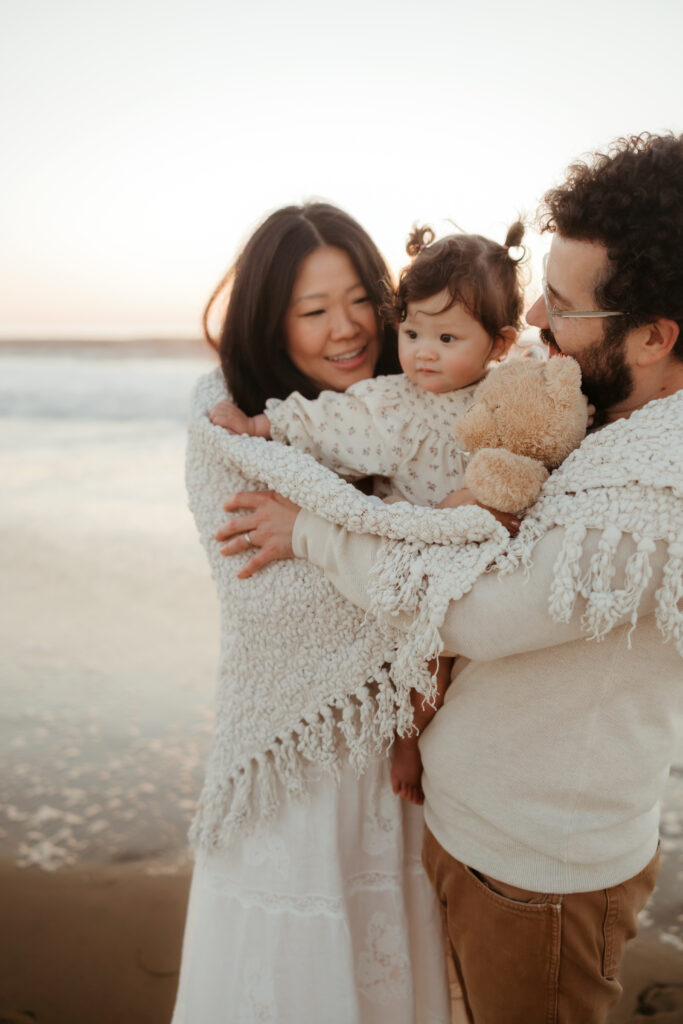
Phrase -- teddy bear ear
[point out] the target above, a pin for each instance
(563, 374)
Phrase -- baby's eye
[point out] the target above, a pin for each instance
(410, 334)
(447, 338)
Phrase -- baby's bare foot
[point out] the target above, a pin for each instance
(406, 770)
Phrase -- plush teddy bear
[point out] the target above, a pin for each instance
(526, 418)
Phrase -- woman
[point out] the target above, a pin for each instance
(314, 908)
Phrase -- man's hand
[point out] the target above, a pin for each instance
(230, 417)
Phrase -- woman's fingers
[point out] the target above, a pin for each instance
(237, 544)
(261, 557)
(237, 525)
(266, 525)
(247, 499)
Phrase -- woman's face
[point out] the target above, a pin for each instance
(330, 322)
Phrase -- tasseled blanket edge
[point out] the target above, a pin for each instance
(235, 802)
(421, 580)
(605, 606)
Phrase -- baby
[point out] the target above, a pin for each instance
(457, 307)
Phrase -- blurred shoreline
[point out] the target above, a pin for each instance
(108, 347)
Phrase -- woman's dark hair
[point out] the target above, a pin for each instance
(252, 343)
(474, 271)
(629, 199)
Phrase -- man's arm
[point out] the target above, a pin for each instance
(501, 615)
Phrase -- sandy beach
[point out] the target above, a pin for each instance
(109, 647)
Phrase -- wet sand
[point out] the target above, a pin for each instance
(109, 641)
(97, 944)
(109, 637)
(100, 944)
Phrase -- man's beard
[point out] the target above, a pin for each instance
(606, 378)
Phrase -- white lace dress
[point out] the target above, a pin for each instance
(326, 916)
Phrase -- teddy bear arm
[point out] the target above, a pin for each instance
(505, 481)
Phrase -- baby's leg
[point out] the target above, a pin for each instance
(406, 764)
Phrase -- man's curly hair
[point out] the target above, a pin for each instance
(630, 200)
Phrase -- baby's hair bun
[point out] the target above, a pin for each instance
(419, 239)
(514, 249)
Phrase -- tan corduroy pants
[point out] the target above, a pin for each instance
(535, 958)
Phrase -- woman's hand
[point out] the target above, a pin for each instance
(267, 526)
(230, 417)
(465, 497)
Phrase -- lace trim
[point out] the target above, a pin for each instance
(383, 968)
(374, 881)
(308, 904)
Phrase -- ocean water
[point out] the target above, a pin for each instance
(109, 632)
(97, 386)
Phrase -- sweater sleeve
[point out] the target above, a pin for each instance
(356, 433)
(499, 617)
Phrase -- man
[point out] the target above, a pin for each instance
(543, 769)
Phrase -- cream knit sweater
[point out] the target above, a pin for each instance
(545, 766)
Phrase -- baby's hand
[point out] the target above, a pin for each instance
(465, 497)
(230, 417)
(457, 498)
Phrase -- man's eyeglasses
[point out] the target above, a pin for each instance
(558, 314)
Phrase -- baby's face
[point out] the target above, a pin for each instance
(443, 349)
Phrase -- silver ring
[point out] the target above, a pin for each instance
(247, 538)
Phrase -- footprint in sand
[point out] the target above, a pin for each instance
(657, 999)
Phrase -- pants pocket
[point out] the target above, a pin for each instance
(512, 893)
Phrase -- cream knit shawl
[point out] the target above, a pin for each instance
(626, 478)
(304, 677)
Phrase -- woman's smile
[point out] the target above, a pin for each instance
(350, 360)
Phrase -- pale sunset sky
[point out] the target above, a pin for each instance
(143, 140)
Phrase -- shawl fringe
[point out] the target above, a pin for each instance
(352, 729)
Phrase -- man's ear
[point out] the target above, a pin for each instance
(505, 338)
(655, 341)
